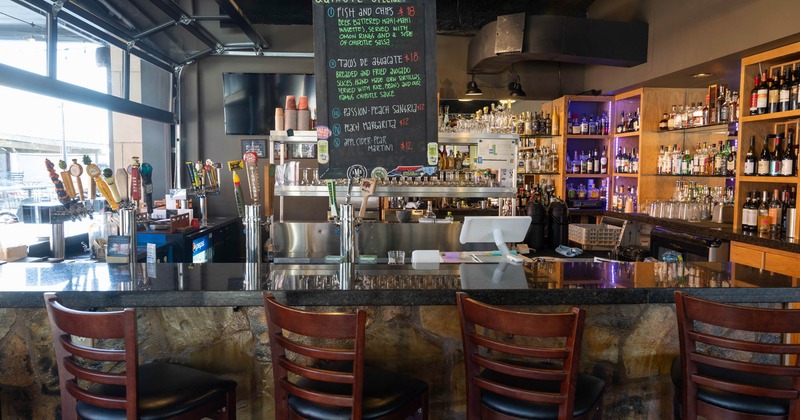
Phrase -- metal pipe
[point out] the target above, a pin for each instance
(347, 233)
(57, 247)
(128, 228)
(252, 225)
(252, 276)
(203, 210)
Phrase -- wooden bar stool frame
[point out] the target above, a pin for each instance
(530, 324)
(328, 325)
(66, 322)
(780, 321)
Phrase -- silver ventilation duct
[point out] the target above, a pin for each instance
(515, 38)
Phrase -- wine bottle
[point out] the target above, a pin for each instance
(763, 95)
(773, 98)
(775, 210)
(763, 159)
(789, 162)
(784, 95)
(604, 162)
(750, 158)
(754, 96)
(791, 216)
(764, 221)
(776, 157)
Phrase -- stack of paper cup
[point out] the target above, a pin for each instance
(290, 116)
(279, 122)
(303, 114)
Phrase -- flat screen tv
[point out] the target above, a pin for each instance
(250, 99)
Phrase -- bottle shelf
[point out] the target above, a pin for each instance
(770, 179)
(628, 134)
(587, 136)
(538, 136)
(699, 128)
(691, 176)
(775, 116)
(538, 173)
(587, 175)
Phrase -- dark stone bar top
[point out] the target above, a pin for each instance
(87, 285)
(710, 229)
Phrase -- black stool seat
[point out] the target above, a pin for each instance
(731, 400)
(589, 390)
(384, 393)
(165, 391)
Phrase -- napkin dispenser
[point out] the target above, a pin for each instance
(722, 213)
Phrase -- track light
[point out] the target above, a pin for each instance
(472, 87)
(515, 89)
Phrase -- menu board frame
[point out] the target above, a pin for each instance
(422, 156)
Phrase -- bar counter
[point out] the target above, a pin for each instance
(541, 282)
(211, 317)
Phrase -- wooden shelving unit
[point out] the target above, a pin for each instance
(761, 125)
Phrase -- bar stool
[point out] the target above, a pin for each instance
(710, 376)
(337, 385)
(504, 383)
(150, 391)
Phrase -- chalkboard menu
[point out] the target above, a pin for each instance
(375, 64)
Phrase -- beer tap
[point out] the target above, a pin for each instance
(92, 185)
(147, 186)
(94, 172)
(66, 179)
(136, 180)
(108, 176)
(121, 181)
(251, 164)
(77, 170)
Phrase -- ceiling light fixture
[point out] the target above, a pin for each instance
(472, 87)
(515, 89)
(702, 75)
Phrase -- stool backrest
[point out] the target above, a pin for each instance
(707, 337)
(522, 355)
(298, 342)
(119, 326)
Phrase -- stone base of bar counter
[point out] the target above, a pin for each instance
(630, 346)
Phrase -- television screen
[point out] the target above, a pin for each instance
(250, 99)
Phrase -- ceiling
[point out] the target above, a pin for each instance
(155, 27)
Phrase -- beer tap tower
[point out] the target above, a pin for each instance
(74, 208)
(204, 179)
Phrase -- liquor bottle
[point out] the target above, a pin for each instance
(663, 125)
(576, 124)
(686, 163)
(671, 120)
(764, 221)
(733, 107)
(784, 95)
(548, 125)
(730, 164)
(679, 118)
(775, 213)
(596, 164)
(604, 162)
(583, 163)
(773, 98)
(725, 108)
(720, 159)
(763, 95)
(776, 157)
(584, 125)
(750, 158)
(754, 96)
(576, 163)
(704, 116)
(635, 121)
(763, 159)
(720, 105)
(746, 214)
(634, 165)
(789, 163)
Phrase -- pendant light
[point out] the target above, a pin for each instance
(515, 89)
(472, 87)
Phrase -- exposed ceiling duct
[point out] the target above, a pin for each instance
(515, 38)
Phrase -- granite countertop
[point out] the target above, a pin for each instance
(97, 285)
